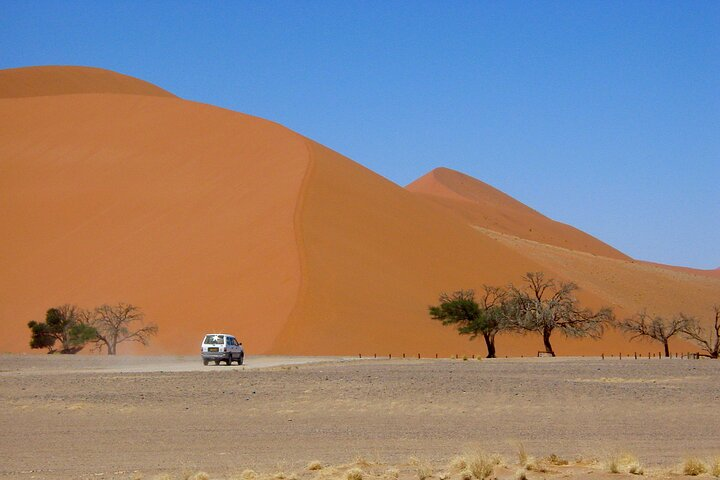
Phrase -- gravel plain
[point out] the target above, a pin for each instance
(90, 416)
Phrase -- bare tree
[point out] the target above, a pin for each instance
(485, 318)
(708, 340)
(120, 323)
(544, 305)
(642, 325)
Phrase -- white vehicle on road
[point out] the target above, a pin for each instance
(221, 347)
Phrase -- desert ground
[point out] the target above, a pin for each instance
(148, 417)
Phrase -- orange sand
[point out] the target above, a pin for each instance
(112, 189)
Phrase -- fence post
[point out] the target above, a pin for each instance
(603, 356)
(418, 356)
(620, 355)
(436, 355)
(390, 356)
(360, 355)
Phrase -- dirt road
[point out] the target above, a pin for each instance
(84, 417)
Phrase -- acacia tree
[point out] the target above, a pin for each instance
(708, 340)
(120, 323)
(62, 324)
(486, 318)
(544, 305)
(642, 325)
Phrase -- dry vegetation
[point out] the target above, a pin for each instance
(476, 465)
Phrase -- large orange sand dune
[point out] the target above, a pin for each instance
(112, 189)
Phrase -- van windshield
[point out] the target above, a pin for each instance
(214, 340)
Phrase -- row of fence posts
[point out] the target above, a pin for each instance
(650, 355)
(688, 355)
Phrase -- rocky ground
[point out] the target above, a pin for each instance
(141, 417)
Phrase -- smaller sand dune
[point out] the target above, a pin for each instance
(484, 206)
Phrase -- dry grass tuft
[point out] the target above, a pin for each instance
(555, 460)
(200, 476)
(248, 474)
(636, 469)
(693, 467)
(715, 467)
(520, 474)
(443, 476)
(466, 475)
(534, 465)
(457, 464)
(481, 465)
(163, 476)
(413, 461)
(612, 464)
(279, 476)
(392, 473)
(362, 461)
(522, 454)
(314, 465)
(354, 474)
(424, 471)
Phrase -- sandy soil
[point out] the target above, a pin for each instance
(132, 417)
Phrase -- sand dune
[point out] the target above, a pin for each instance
(112, 189)
(55, 80)
(484, 206)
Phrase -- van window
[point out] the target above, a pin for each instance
(214, 339)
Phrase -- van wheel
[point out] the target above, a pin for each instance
(217, 362)
(228, 361)
(205, 361)
(241, 359)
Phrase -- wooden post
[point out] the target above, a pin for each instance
(635, 355)
(403, 355)
(620, 355)
(436, 355)
(418, 356)
(390, 356)
(374, 355)
(602, 355)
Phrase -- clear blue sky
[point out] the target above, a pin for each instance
(604, 115)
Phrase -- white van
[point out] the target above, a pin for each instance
(221, 347)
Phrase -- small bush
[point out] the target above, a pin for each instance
(314, 465)
(200, 476)
(694, 467)
(481, 465)
(354, 474)
(520, 474)
(443, 475)
(466, 475)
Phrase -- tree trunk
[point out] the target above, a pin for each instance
(490, 344)
(112, 348)
(667, 348)
(546, 341)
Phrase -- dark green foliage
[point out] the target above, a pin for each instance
(64, 325)
(486, 318)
